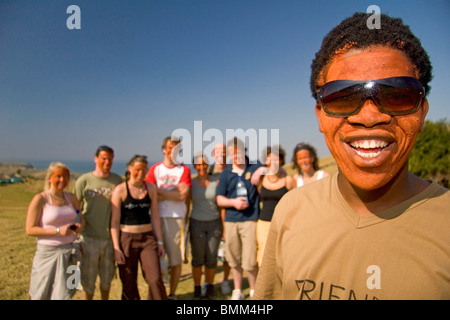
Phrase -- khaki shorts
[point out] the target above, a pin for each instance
(240, 244)
(97, 259)
(262, 230)
(172, 233)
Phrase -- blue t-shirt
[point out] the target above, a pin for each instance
(227, 188)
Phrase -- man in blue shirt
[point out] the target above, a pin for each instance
(240, 218)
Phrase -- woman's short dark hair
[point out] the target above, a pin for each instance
(353, 33)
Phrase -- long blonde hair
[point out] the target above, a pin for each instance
(51, 168)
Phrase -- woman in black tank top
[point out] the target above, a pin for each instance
(136, 232)
(269, 199)
(272, 187)
(135, 211)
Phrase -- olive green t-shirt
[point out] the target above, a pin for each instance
(319, 248)
(95, 193)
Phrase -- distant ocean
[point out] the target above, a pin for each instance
(79, 166)
(83, 166)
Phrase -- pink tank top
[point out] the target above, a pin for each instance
(56, 216)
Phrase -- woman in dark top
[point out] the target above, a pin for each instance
(136, 232)
(272, 186)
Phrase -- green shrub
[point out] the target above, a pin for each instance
(430, 157)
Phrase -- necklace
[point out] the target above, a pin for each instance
(141, 188)
(57, 197)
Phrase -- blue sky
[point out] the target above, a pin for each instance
(137, 70)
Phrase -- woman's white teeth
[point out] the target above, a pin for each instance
(368, 148)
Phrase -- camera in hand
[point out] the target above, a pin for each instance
(73, 227)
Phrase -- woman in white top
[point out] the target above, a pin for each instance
(305, 160)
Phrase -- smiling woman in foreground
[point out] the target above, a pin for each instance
(373, 230)
(53, 219)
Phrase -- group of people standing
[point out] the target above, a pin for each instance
(110, 220)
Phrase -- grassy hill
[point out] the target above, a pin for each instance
(327, 163)
(25, 170)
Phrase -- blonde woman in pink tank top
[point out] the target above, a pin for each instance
(54, 220)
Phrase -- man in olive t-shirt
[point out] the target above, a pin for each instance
(94, 190)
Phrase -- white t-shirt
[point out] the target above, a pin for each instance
(320, 175)
(168, 178)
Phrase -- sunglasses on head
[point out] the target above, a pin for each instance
(393, 96)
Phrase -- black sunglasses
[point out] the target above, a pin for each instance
(393, 96)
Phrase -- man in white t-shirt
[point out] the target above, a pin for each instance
(173, 182)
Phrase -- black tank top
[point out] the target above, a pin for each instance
(135, 211)
(269, 200)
